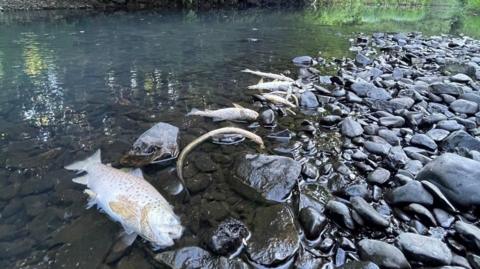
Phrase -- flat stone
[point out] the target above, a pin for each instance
(412, 192)
(469, 233)
(382, 254)
(438, 134)
(464, 106)
(351, 128)
(425, 249)
(368, 213)
(461, 139)
(423, 141)
(379, 176)
(392, 121)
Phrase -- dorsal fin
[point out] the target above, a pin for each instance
(237, 105)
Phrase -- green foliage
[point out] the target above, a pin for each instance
(473, 5)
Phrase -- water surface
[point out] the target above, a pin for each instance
(73, 82)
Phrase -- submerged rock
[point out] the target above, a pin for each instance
(457, 177)
(383, 254)
(228, 237)
(274, 236)
(425, 249)
(266, 177)
(312, 222)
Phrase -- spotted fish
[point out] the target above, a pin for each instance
(129, 199)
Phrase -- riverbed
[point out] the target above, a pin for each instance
(76, 81)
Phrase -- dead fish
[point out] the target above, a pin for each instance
(272, 86)
(231, 113)
(278, 100)
(129, 199)
(157, 144)
(226, 130)
(268, 75)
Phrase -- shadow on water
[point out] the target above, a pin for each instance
(72, 82)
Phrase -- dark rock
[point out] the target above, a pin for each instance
(312, 222)
(360, 265)
(270, 177)
(196, 257)
(377, 148)
(383, 254)
(469, 233)
(351, 128)
(267, 117)
(422, 213)
(362, 60)
(425, 249)
(446, 88)
(438, 134)
(330, 119)
(443, 217)
(392, 121)
(228, 237)
(368, 213)
(340, 212)
(458, 178)
(423, 141)
(397, 157)
(464, 106)
(460, 139)
(364, 89)
(274, 236)
(449, 125)
(412, 192)
(389, 136)
(379, 176)
(474, 260)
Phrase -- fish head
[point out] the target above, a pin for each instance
(165, 226)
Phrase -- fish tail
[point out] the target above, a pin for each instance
(195, 112)
(85, 164)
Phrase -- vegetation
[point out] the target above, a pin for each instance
(473, 5)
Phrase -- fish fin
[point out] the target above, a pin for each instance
(83, 165)
(246, 71)
(260, 81)
(81, 180)
(127, 239)
(193, 112)
(92, 198)
(237, 105)
(217, 119)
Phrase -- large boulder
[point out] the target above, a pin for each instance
(265, 177)
(383, 254)
(428, 250)
(456, 176)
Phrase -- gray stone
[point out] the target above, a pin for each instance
(351, 128)
(383, 254)
(464, 106)
(428, 250)
(392, 121)
(423, 141)
(412, 192)
(379, 176)
(368, 213)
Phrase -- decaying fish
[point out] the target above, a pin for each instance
(278, 100)
(226, 130)
(129, 199)
(272, 86)
(268, 75)
(227, 139)
(157, 144)
(237, 112)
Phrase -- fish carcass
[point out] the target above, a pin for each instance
(272, 86)
(129, 199)
(268, 75)
(231, 113)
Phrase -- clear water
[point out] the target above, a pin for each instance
(72, 82)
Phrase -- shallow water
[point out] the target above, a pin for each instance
(73, 82)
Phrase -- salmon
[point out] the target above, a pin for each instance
(130, 200)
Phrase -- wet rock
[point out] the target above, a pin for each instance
(443, 218)
(474, 260)
(274, 236)
(267, 117)
(438, 134)
(469, 233)
(312, 222)
(392, 121)
(308, 100)
(446, 88)
(12, 249)
(36, 186)
(304, 61)
(354, 190)
(439, 196)
(383, 254)
(464, 106)
(425, 249)
(389, 136)
(421, 213)
(457, 177)
(460, 139)
(351, 128)
(364, 89)
(397, 157)
(360, 265)
(269, 177)
(330, 119)
(412, 192)
(381, 149)
(423, 141)
(449, 125)
(136, 259)
(368, 213)
(462, 78)
(228, 237)
(340, 212)
(196, 257)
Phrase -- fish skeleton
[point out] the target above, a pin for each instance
(272, 86)
(226, 130)
(278, 100)
(129, 199)
(230, 113)
(268, 75)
